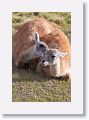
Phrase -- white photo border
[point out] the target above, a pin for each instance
(76, 104)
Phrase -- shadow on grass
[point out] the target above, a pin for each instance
(31, 76)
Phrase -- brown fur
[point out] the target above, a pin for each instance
(57, 39)
(49, 33)
(24, 37)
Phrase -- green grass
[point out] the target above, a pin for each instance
(31, 86)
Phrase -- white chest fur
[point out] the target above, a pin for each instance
(55, 69)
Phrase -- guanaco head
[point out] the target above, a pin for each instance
(40, 47)
(51, 57)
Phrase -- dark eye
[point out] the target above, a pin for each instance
(53, 56)
(43, 61)
(41, 45)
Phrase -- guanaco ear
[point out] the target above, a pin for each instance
(37, 39)
(62, 54)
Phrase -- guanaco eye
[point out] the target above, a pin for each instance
(41, 45)
(53, 56)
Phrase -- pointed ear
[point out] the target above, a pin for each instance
(37, 39)
(62, 54)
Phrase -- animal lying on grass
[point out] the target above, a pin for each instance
(52, 40)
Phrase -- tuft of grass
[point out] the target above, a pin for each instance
(31, 86)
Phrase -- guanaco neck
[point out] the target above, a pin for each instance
(55, 69)
(29, 54)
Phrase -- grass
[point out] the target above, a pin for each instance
(30, 86)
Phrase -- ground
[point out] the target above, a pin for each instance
(29, 86)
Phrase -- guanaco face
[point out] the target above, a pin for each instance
(52, 56)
